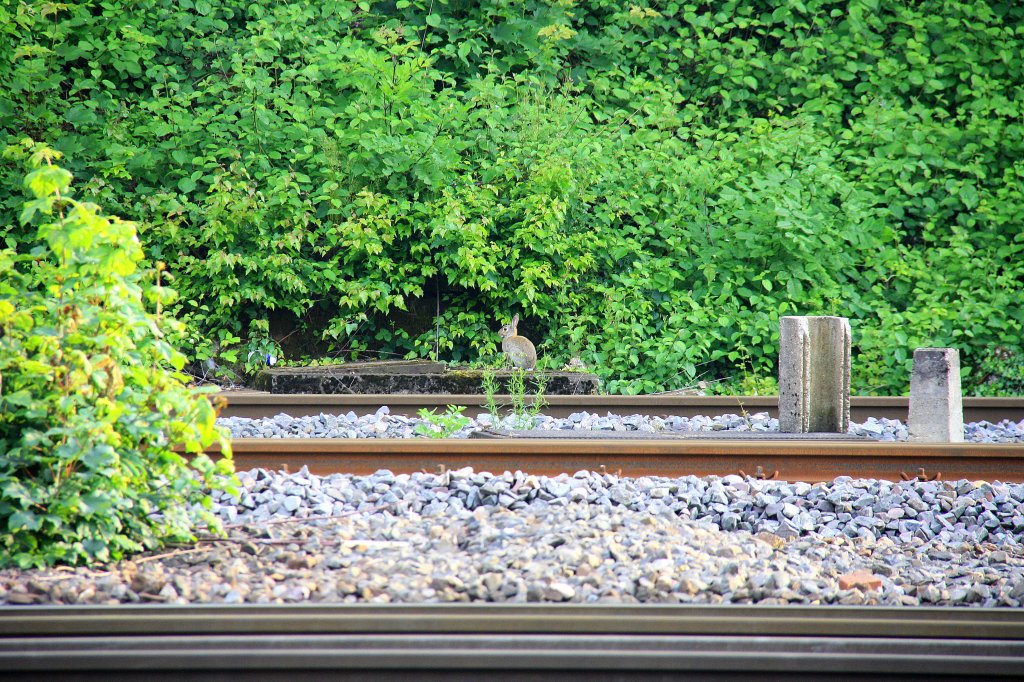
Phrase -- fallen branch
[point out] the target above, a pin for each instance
(293, 541)
(166, 555)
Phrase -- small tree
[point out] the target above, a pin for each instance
(94, 413)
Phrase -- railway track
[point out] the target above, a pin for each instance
(491, 641)
(793, 460)
(259, 404)
(796, 460)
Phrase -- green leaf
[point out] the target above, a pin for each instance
(48, 180)
(969, 195)
(20, 398)
(96, 548)
(32, 207)
(80, 115)
(95, 503)
(99, 457)
(24, 520)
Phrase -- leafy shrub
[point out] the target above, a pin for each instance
(1001, 373)
(91, 411)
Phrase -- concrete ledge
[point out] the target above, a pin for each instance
(411, 378)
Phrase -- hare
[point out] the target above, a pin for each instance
(518, 349)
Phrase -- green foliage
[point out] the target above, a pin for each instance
(444, 425)
(1002, 373)
(650, 185)
(743, 380)
(93, 415)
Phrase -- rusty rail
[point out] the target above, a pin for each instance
(260, 404)
(783, 459)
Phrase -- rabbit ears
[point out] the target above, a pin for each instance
(515, 319)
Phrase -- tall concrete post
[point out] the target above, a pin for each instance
(814, 374)
(936, 403)
(794, 374)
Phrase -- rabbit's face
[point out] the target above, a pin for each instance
(506, 331)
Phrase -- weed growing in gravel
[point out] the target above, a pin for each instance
(490, 386)
(524, 408)
(444, 425)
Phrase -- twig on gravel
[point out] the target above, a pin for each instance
(293, 541)
(152, 597)
(167, 555)
(75, 574)
(70, 572)
(259, 541)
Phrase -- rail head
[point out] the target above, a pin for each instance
(508, 641)
(483, 618)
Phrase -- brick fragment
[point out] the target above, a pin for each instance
(862, 579)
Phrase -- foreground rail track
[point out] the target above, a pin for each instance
(793, 460)
(490, 641)
(260, 404)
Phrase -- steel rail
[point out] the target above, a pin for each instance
(699, 619)
(261, 404)
(796, 460)
(506, 641)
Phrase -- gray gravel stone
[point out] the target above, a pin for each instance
(590, 537)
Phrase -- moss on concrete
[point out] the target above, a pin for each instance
(359, 378)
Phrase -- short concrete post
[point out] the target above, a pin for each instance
(936, 404)
(814, 374)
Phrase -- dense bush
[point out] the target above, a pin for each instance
(650, 185)
(90, 408)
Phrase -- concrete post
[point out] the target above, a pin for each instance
(936, 403)
(814, 374)
(794, 362)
